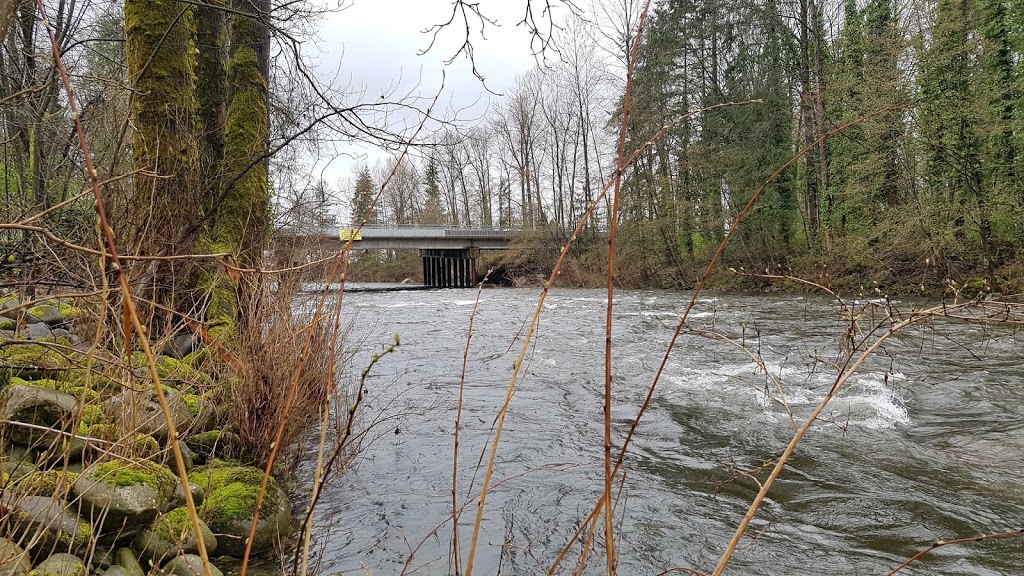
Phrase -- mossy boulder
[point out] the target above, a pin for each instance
(39, 358)
(140, 411)
(49, 483)
(70, 311)
(170, 533)
(123, 497)
(13, 559)
(189, 565)
(216, 444)
(231, 495)
(202, 410)
(84, 378)
(51, 410)
(61, 564)
(48, 314)
(55, 524)
(179, 373)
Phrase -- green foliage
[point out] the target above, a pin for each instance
(362, 198)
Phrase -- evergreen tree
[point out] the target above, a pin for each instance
(433, 207)
(362, 198)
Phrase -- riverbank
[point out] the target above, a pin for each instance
(850, 270)
(799, 276)
(90, 483)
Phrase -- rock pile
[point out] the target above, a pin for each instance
(83, 461)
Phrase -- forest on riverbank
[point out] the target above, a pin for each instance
(924, 190)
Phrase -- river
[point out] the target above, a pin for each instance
(926, 443)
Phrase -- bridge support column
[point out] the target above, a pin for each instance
(447, 268)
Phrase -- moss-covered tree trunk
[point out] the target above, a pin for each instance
(241, 219)
(211, 94)
(164, 207)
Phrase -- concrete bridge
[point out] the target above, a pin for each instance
(449, 253)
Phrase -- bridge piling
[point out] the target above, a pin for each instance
(449, 268)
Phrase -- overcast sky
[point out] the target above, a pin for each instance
(375, 45)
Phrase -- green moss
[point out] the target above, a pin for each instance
(37, 355)
(81, 537)
(49, 483)
(86, 395)
(91, 379)
(93, 414)
(160, 57)
(8, 298)
(232, 492)
(121, 473)
(41, 310)
(232, 503)
(194, 402)
(70, 312)
(108, 432)
(174, 525)
(172, 369)
(145, 446)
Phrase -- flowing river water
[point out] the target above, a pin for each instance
(925, 443)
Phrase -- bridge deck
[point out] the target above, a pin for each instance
(382, 236)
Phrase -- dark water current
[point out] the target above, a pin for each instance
(926, 443)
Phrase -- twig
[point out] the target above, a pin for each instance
(941, 543)
(612, 243)
(456, 554)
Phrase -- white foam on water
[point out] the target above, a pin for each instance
(870, 402)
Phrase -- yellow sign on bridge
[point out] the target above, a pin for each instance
(347, 234)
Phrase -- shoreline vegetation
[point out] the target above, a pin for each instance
(532, 255)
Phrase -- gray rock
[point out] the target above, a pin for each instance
(102, 558)
(36, 331)
(17, 461)
(49, 314)
(40, 407)
(189, 565)
(116, 570)
(181, 345)
(68, 451)
(169, 534)
(7, 324)
(216, 444)
(19, 315)
(13, 559)
(203, 414)
(178, 500)
(61, 564)
(123, 498)
(140, 411)
(6, 333)
(126, 559)
(57, 527)
(63, 333)
(18, 469)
